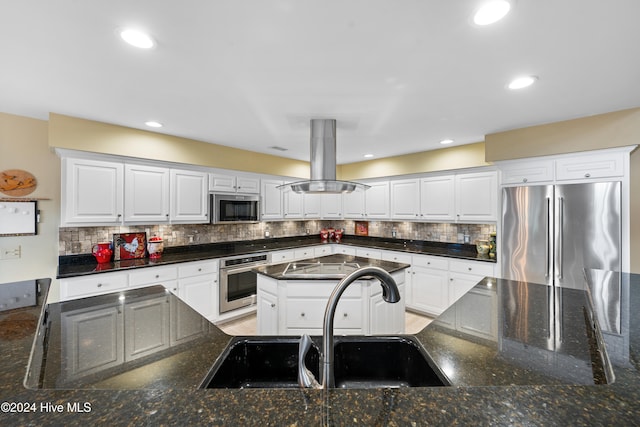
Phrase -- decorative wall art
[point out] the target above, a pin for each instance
(362, 228)
(17, 183)
(129, 246)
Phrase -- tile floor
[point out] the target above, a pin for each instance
(247, 325)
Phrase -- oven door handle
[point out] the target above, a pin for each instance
(240, 269)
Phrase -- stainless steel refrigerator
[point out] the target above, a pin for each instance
(551, 232)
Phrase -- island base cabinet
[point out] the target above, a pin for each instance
(146, 328)
(429, 290)
(267, 315)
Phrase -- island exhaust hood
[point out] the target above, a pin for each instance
(323, 163)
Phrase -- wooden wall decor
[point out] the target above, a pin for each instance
(17, 183)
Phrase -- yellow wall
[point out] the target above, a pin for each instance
(23, 145)
(86, 135)
(463, 156)
(617, 129)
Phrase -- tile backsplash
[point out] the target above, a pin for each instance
(80, 240)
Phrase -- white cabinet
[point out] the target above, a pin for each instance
(303, 253)
(346, 250)
(476, 313)
(323, 250)
(312, 205)
(429, 284)
(293, 204)
(146, 194)
(376, 200)
(477, 196)
(189, 197)
(437, 198)
(271, 199)
(590, 166)
(405, 199)
(161, 275)
(292, 307)
(331, 206)
(95, 284)
(353, 204)
(527, 172)
(464, 275)
(228, 183)
(282, 256)
(369, 253)
(92, 192)
(198, 287)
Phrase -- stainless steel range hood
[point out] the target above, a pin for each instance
(323, 163)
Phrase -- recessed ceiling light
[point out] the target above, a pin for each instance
(137, 38)
(153, 124)
(522, 82)
(491, 11)
(368, 156)
(446, 141)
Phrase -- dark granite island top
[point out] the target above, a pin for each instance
(529, 372)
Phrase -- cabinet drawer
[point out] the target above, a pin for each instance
(439, 263)
(322, 288)
(590, 166)
(346, 250)
(309, 313)
(146, 276)
(527, 173)
(471, 267)
(369, 253)
(321, 251)
(282, 256)
(78, 287)
(397, 257)
(303, 253)
(197, 268)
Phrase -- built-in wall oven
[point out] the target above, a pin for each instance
(238, 284)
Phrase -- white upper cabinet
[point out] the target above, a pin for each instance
(527, 172)
(353, 204)
(233, 183)
(146, 194)
(376, 200)
(590, 166)
(92, 192)
(312, 205)
(189, 196)
(271, 199)
(331, 206)
(293, 204)
(437, 198)
(405, 199)
(477, 196)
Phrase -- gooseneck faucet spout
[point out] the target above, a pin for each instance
(390, 293)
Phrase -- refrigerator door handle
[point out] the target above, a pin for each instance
(547, 247)
(560, 235)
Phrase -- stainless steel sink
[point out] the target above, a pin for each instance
(330, 270)
(360, 362)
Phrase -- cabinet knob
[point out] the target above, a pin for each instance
(301, 314)
(524, 180)
(451, 279)
(99, 285)
(119, 215)
(428, 262)
(470, 269)
(345, 315)
(157, 276)
(587, 175)
(200, 269)
(167, 215)
(273, 304)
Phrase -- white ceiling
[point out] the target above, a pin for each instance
(398, 75)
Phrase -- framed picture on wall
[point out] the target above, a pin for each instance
(362, 228)
(129, 246)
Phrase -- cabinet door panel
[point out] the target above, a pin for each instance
(405, 199)
(200, 293)
(430, 290)
(477, 196)
(92, 192)
(146, 194)
(376, 200)
(437, 198)
(271, 199)
(189, 197)
(146, 327)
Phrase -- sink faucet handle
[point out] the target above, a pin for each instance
(305, 376)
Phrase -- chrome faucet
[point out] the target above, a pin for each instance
(390, 293)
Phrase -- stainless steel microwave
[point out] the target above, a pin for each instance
(234, 208)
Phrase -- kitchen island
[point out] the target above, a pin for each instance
(292, 297)
(518, 378)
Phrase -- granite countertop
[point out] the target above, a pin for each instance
(525, 371)
(279, 271)
(84, 264)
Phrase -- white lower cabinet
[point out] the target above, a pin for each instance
(464, 275)
(429, 284)
(146, 327)
(198, 287)
(297, 307)
(95, 284)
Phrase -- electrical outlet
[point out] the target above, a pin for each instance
(10, 253)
